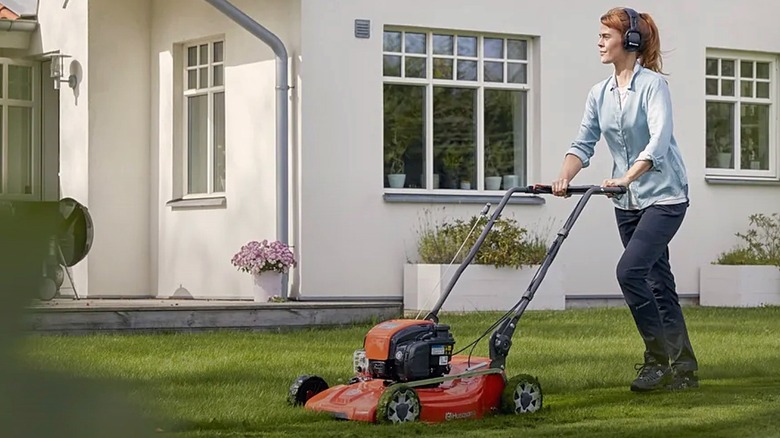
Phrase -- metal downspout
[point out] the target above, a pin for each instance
(282, 114)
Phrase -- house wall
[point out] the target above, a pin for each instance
(354, 244)
(193, 246)
(119, 150)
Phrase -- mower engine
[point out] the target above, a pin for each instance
(405, 350)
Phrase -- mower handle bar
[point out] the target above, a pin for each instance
(542, 189)
(501, 340)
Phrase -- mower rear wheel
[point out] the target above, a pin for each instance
(304, 388)
(398, 404)
(522, 395)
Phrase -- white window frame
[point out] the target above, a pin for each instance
(209, 91)
(35, 105)
(480, 85)
(772, 174)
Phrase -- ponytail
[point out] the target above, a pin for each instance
(650, 52)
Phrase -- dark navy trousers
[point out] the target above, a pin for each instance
(648, 285)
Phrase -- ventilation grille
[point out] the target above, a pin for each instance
(362, 28)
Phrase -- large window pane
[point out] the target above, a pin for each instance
(219, 142)
(754, 136)
(454, 137)
(20, 82)
(19, 151)
(197, 144)
(505, 138)
(404, 136)
(720, 134)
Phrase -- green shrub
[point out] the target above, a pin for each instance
(761, 246)
(507, 244)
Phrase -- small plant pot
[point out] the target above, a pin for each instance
(492, 183)
(511, 181)
(724, 160)
(396, 180)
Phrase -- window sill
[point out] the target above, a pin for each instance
(741, 180)
(454, 198)
(199, 202)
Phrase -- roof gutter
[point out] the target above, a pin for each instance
(18, 25)
(282, 115)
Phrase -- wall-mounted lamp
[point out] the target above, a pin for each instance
(57, 69)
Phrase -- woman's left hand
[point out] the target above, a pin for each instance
(616, 182)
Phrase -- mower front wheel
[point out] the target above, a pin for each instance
(398, 404)
(304, 388)
(522, 395)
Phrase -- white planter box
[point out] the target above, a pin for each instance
(480, 288)
(739, 286)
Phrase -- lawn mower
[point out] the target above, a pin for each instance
(407, 370)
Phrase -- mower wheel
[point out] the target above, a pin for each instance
(398, 404)
(304, 388)
(522, 395)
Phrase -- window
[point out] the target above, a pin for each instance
(204, 118)
(455, 110)
(741, 107)
(19, 150)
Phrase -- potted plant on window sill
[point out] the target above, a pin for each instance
(747, 275)
(492, 175)
(395, 148)
(266, 262)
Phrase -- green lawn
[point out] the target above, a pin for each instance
(235, 383)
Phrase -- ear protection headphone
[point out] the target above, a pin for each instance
(632, 40)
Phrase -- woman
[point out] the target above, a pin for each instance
(632, 109)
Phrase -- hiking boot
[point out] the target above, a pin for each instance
(684, 380)
(651, 376)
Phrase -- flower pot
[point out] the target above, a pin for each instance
(511, 181)
(396, 180)
(480, 288)
(266, 286)
(724, 160)
(492, 183)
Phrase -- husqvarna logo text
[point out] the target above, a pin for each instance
(455, 416)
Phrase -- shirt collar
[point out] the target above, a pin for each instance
(613, 81)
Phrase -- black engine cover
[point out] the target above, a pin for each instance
(416, 353)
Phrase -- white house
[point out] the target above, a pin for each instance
(170, 131)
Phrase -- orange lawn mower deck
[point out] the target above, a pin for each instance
(407, 371)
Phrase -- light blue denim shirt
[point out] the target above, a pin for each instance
(641, 129)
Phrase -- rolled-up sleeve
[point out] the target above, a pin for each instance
(584, 144)
(659, 123)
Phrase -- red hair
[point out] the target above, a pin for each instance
(650, 51)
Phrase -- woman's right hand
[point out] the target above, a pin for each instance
(560, 187)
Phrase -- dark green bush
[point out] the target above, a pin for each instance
(761, 243)
(507, 244)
